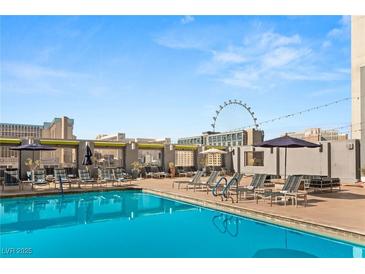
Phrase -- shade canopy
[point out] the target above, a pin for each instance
(213, 151)
(287, 141)
(87, 158)
(33, 147)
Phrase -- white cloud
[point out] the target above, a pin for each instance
(28, 78)
(36, 72)
(229, 56)
(272, 39)
(187, 19)
(282, 56)
(343, 30)
(262, 60)
(326, 44)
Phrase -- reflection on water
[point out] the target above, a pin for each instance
(134, 224)
(43, 212)
(226, 224)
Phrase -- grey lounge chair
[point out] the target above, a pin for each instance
(295, 193)
(209, 182)
(85, 178)
(39, 178)
(257, 183)
(11, 178)
(60, 176)
(120, 176)
(105, 176)
(230, 190)
(290, 187)
(196, 177)
(219, 186)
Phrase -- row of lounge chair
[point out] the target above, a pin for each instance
(185, 171)
(39, 178)
(258, 187)
(155, 172)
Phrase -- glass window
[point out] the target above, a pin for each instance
(254, 158)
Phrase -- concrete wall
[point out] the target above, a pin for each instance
(270, 161)
(345, 160)
(168, 156)
(335, 159)
(131, 155)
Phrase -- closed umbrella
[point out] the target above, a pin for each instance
(87, 157)
(287, 142)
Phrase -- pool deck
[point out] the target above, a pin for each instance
(337, 214)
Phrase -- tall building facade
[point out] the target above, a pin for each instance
(229, 138)
(10, 157)
(59, 128)
(318, 134)
(358, 82)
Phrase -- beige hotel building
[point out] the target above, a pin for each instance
(358, 82)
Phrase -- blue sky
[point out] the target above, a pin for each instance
(164, 76)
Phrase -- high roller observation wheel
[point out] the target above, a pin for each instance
(234, 102)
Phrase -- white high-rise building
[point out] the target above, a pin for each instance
(358, 82)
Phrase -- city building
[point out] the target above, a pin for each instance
(59, 128)
(318, 134)
(114, 157)
(121, 137)
(230, 138)
(358, 82)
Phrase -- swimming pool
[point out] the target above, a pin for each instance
(135, 224)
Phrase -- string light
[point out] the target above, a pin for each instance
(314, 108)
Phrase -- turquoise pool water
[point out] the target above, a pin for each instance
(136, 224)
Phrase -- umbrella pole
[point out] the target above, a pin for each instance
(285, 163)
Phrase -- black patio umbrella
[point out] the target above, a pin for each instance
(287, 142)
(31, 147)
(87, 157)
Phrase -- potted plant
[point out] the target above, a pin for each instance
(172, 169)
(136, 169)
(31, 165)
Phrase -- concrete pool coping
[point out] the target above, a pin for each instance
(318, 229)
(330, 231)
